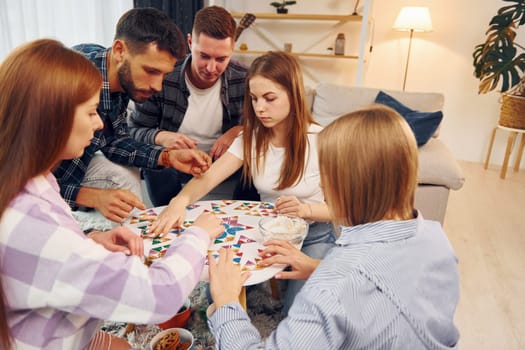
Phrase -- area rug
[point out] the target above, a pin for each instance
(264, 311)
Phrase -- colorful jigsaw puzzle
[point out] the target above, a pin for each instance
(240, 219)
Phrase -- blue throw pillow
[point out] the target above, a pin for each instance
(423, 124)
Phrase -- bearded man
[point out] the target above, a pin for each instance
(145, 49)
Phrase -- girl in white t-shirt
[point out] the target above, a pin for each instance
(280, 157)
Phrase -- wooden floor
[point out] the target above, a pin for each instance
(485, 222)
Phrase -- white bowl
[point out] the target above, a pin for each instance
(285, 228)
(185, 337)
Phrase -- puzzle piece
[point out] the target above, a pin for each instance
(236, 216)
(243, 239)
(246, 206)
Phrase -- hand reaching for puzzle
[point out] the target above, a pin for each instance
(226, 278)
(283, 252)
(210, 223)
(119, 239)
(170, 217)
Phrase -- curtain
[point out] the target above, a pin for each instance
(70, 21)
(181, 11)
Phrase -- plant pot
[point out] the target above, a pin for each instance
(282, 10)
(180, 319)
(512, 112)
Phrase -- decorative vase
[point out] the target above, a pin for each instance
(282, 10)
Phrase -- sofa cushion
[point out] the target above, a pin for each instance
(423, 124)
(437, 166)
(332, 101)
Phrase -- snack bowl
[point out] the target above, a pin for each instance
(180, 319)
(165, 339)
(285, 228)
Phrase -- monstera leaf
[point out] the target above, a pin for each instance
(500, 61)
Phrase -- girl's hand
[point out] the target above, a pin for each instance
(120, 239)
(284, 252)
(210, 223)
(226, 279)
(291, 206)
(170, 217)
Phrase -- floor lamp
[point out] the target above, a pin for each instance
(412, 19)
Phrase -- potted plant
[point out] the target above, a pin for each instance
(281, 5)
(501, 60)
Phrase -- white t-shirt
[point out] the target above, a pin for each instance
(307, 190)
(203, 119)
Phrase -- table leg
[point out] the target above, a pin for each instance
(510, 143)
(490, 147)
(274, 285)
(242, 298)
(520, 153)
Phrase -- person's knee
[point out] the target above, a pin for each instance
(108, 175)
(127, 178)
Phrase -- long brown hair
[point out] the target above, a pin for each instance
(284, 70)
(41, 84)
(368, 164)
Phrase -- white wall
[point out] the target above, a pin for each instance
(440, 61)
(70, 21)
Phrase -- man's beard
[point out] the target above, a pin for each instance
(127, 84)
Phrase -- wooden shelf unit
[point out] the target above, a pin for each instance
(340, 20)
(306, 17)
(298, 54)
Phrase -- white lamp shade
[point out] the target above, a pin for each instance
(413, 18)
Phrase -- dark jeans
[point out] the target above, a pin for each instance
(164, 184)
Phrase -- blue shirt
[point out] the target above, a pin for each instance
(385, 285)
(113, 140)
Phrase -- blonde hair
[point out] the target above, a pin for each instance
(368, 163)
(284, 70)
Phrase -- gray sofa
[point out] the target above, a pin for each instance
(438, 170)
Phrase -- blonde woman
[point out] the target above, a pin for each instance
(391, 282)
(277, 151)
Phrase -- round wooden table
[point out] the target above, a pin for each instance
(240, 220)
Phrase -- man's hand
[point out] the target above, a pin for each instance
(224, 142)
(283, 252)
(115, 205)
(190, 161)
(226, 279)
(120, 239)
(175, 140)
